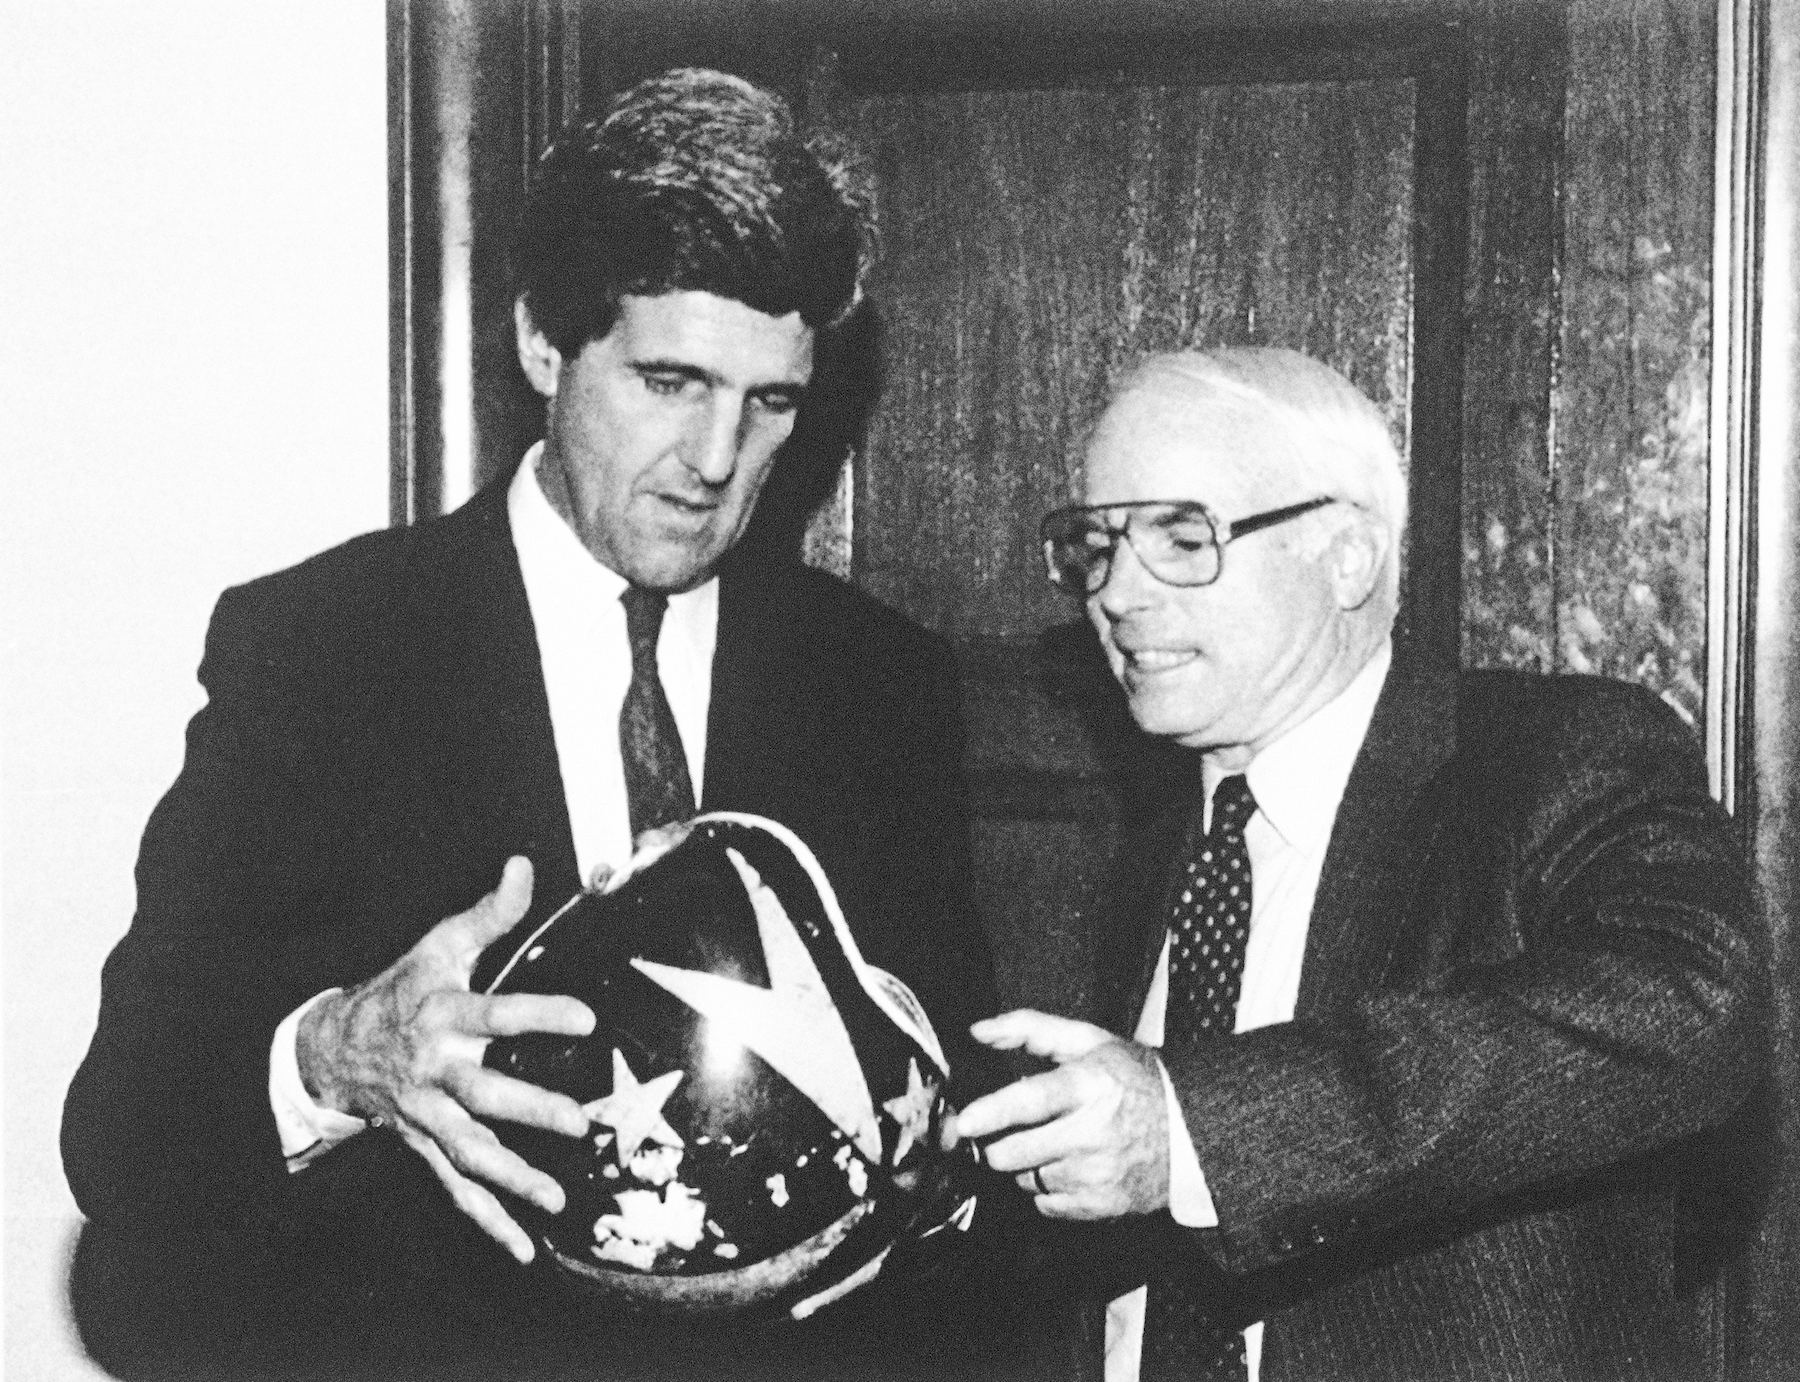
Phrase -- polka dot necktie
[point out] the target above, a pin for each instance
(1210, 923)
(657, 786)
(1209, 927)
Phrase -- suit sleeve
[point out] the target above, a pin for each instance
(1573, 980)
(168, 1121)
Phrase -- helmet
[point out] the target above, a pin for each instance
(764, 1105)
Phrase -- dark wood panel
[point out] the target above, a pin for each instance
(1513, 310)
(942, 44)
(1037, 239)
(999, 284)
(1631, 409)
(1427, 629)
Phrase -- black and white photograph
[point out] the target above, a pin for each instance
(894, 690)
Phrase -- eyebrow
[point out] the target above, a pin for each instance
(791, 387)
(681, 367)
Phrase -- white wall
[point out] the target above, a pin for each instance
(192, 391)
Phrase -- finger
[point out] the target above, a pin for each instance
(1039, 1146)
(1060, 1206)
(1023, 1103)
(1054, 1038)
(999, 1032)
(489, 1094)
(477, 1202)
(517, 1013)
(496, 914)
(478, 1154)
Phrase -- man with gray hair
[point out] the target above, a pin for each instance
(1414, 1018)
(426, 740)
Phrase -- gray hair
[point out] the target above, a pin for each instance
(1341, 442)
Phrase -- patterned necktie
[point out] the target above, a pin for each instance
(1208, 929)
(657, 786)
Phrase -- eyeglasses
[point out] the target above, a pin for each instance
(1180, 542)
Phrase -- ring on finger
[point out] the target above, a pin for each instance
(1037, 1179)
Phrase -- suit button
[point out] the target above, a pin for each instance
(1318, 1236)
(1284, 1243)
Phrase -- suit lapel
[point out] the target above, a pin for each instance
(469, 702)
(1381, 830)
(744, 647)
(763, 726)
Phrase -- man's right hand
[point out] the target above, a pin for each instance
(405, 1050)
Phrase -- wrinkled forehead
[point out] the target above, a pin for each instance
(1177, 440)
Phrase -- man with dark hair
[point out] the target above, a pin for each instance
(694, 180)
(1420, 1011)
(280, 1134)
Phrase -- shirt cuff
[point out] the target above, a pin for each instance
(1190, 1202)
(308, 1130)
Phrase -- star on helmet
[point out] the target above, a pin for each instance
(911, 1110)
(633, 1110)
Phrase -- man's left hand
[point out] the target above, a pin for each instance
(1094, 1139)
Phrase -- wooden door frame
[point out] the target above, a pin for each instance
(1753, 724)
(475, 87)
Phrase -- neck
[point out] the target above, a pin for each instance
(553, 484)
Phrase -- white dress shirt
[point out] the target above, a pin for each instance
(1298, 782)
(586, 659)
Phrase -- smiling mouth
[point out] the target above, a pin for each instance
(1149, 661)
(691, 506)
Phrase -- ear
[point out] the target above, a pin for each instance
(541, 361)
(1357, 556)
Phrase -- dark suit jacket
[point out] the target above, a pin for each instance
(376, 743)
(1532, 974)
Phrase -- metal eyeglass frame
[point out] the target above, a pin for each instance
(1061, 527)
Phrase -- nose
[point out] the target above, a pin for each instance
(716, 440)
(1127, 585)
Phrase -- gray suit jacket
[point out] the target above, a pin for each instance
(1533, 977)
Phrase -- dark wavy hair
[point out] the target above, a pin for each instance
(693, 181)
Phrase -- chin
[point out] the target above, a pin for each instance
(673, 573)
(1156, 715)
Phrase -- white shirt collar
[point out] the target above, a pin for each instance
(1299, 779)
